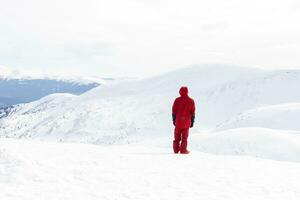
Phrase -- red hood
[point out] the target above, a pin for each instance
(183, 91)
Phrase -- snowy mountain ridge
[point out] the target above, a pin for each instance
(245, 107)
(245, 143)
(126, 111)
(14, 74)
(17, 91)
(17, 87)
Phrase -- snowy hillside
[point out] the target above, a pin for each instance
(43, 170)
(256, 142)
(128, 111)
(281, 116)
(245, 145)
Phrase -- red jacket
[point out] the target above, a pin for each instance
(183, 109)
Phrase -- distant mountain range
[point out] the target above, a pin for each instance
(16, 91)
(18, 87)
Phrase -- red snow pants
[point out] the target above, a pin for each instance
(180, 139)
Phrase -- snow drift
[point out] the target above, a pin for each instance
(44, 170)
(282, 116)
(257, 142)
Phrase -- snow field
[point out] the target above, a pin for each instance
(245, 143)
(281, 116)
(43, 170)
(123, 112)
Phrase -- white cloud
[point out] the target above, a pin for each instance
(134, 37)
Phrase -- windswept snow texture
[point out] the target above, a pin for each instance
(16, 91)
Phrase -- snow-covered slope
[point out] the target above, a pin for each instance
(35, 170)
(241, 113)
(257, 142)
(281, 116)
(125, 112)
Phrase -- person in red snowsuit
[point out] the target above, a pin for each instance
(183, 113)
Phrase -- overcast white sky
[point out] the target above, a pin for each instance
(146, 37)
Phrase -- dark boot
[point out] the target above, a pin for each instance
(185, 152)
